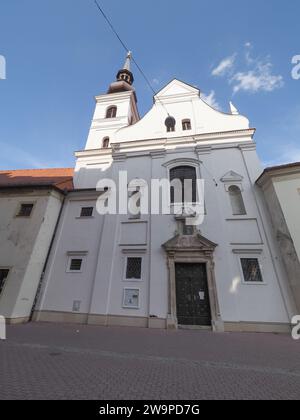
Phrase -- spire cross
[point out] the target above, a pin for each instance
(128, 61)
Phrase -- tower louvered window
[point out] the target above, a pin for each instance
(105, 143)
(111, 112)
(186, 125)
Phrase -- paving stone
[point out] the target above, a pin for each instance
(49, 361)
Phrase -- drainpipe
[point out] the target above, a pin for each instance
(47, 258)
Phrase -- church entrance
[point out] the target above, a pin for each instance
(193, 298)
(192, 295)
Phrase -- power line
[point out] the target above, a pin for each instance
(111, 26)
(127, 49)
(209, 173)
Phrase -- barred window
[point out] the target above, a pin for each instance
(251, 270)
(87, 212)
(25, 210)
(184, 173)
(134, 268)
(3, 276)
(75, 264)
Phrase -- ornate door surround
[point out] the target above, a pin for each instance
(192, 249)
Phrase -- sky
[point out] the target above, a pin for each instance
(59, 54)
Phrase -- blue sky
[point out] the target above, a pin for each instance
(60, 54)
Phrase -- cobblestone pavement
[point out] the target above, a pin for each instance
(48, 361)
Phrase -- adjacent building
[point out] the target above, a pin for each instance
(155, 270)
(281, 187)
(30, 206)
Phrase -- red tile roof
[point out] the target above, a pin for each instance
(61, 178)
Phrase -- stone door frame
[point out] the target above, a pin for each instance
(191, 254)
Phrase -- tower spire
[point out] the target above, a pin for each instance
(125, 74)
(127, 65)
(124, 77)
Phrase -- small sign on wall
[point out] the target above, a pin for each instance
(2, 328)
(202, 295)
(131, 298)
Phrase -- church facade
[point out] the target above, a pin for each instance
(158, 270)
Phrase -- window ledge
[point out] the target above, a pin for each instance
(133, 280)
(254, 283)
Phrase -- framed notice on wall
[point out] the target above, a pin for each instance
(131, 298)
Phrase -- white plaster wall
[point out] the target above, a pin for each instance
(79, 235)
(288, 192)
(101, 126)
(145, 150)
(24, 243)
(100, 286)
(181, 102)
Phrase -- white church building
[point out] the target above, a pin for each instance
(156, 270)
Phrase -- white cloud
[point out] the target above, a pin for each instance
(256, 76)
(211, 100)
(259, 79)
(225, 66)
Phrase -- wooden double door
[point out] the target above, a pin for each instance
(192, 295)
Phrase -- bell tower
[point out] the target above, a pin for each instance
(114, 110)
(125, 74)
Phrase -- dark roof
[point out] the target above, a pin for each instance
(279, 168)
(286, 166)
(59, 178)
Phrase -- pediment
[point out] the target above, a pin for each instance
(232, 176)
(192, 242)
(177, 88)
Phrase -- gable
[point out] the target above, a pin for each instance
(177, 88)
(232, 176)
(193, 242)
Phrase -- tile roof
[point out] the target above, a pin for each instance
(286, 166)
(278, 170)
(60, 178)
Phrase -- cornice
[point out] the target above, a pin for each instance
(226, 134)
(108, 97)
(161, 145)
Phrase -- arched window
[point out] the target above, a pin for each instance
(183, 184)
(105, 143)
(111, 112)
(186, 125)
(237, 202)
(170, 124)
